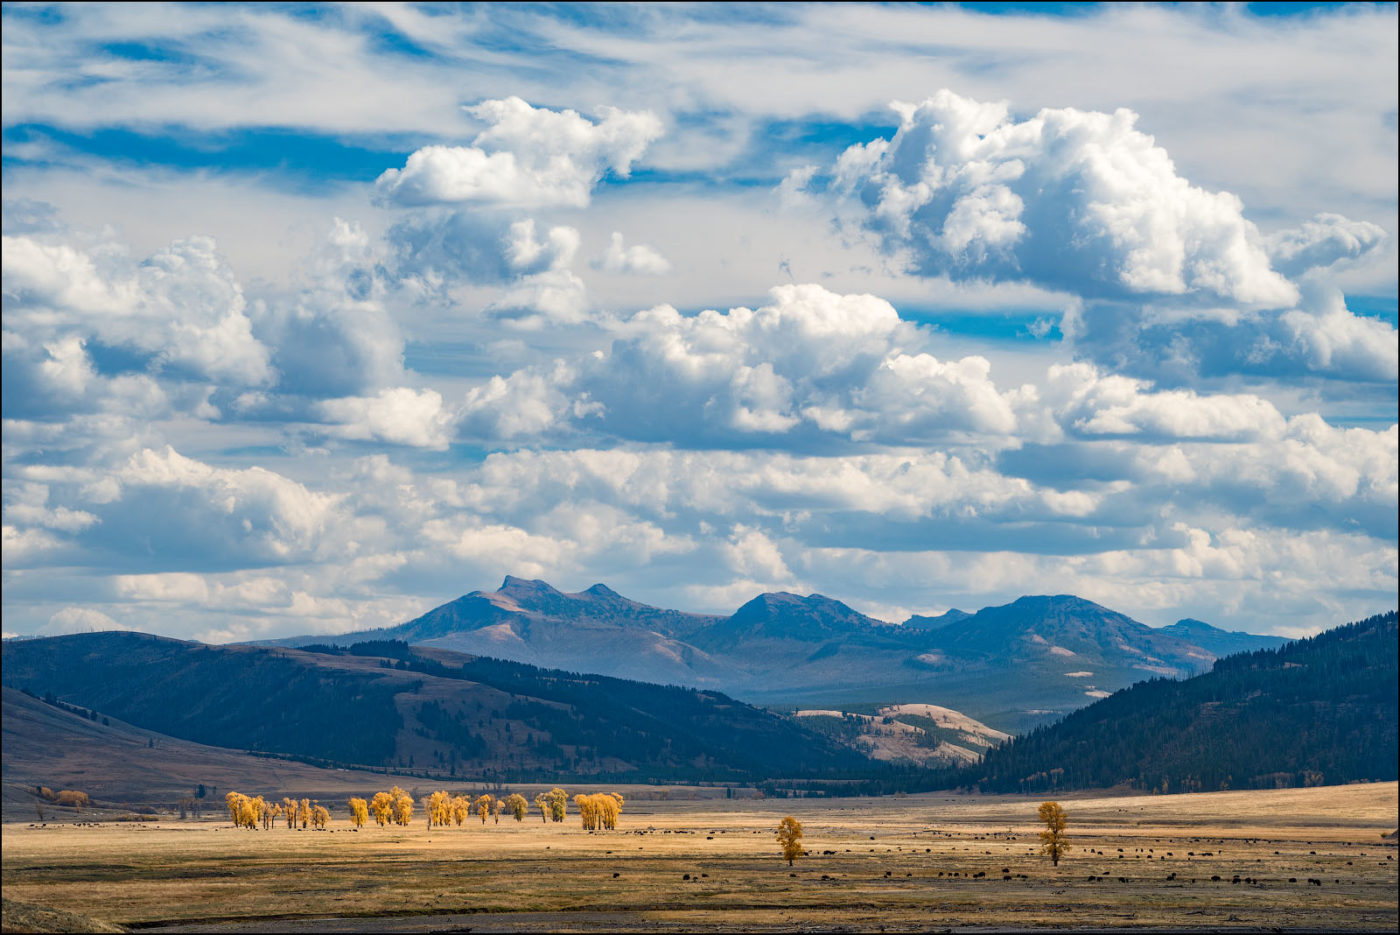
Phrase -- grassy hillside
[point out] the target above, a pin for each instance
(115, 762)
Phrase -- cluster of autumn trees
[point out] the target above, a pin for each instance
(598, 811)
(394, 806)
(70, 797)
(252, 811)
(445, 809)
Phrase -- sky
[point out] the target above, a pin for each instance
(317, 316)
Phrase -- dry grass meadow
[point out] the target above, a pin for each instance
(1220, 861)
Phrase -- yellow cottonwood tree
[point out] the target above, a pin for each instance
(359, 811)
(403, 806)
(599, 811)
(320, 817)
(542, 802)
(461, 808)
(558, 803)
(790, 837)
(609, 807)
(483, 806)
(518, 805)
(234, 801)
(383, 806)
(588, 816)
(439, 808)
(289, 812)
(1052, 839)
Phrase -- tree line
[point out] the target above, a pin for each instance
(597, 811)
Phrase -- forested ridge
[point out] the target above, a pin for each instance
(1315, 711)
(386, 704)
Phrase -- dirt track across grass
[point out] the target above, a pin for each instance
(1230, 861)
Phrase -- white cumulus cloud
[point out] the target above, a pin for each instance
(1322, 241)
(526, 157)
(1075, 200)
(398, 415)
(811, 367)
(638, 259)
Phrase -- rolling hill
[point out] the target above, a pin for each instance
(1012, 667)
(386, 704)
(116, 762)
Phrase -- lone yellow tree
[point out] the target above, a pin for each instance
(359, 811)
(483, 805)
(790, 837)
(542, 802)
(1052, 839)
(518, 805)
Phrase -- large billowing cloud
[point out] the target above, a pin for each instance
(811, 367)
(527, 157)
(1074, 200)
(181, 309)
(200, 517)
(1171, 281)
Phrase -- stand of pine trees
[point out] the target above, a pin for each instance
(1317, 711)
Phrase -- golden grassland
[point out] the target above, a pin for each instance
(922, 862)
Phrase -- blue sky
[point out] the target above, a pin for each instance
(317, 316)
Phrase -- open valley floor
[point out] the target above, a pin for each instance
(1297, 859)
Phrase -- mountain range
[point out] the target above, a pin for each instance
(1011, 667)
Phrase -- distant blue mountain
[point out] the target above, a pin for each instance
(1221, 642)
(1013, 666)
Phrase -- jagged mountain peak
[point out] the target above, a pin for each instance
(516, 585)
